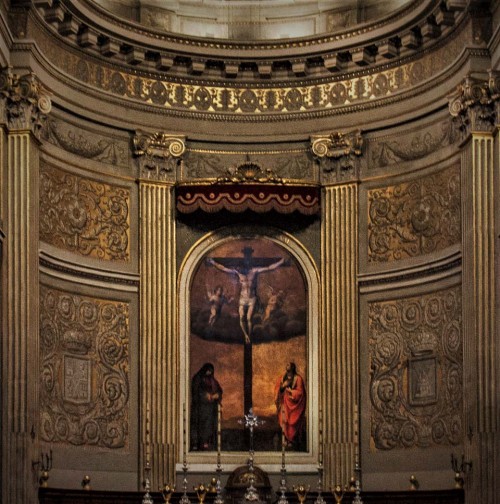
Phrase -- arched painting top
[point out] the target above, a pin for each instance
(248, 311)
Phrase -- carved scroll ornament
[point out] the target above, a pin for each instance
(23, 105)
(84, 372)
(84, 216)
(414, 218)
(159, 154)
(416, 379)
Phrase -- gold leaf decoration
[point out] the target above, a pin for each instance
(414, 218)
(416, 383)
(84, 216)
(84, 371)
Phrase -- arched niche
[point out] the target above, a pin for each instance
(230, 239)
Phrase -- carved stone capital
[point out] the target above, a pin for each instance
(23, 105)
(158, 154)
(494, 87)
(473, 105)
(338, 154)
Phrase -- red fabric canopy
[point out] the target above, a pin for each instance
(260, 198)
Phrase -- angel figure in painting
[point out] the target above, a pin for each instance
(217, 300)
(290, 400)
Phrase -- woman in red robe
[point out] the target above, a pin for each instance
(290, 400)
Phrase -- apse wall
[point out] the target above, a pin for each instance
(408, 272)
(391, 159)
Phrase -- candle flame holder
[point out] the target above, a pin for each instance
(338, 493)
(301, 491)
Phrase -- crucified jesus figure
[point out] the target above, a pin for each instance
(247, 276)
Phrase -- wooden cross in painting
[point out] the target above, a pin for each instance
(247, 269)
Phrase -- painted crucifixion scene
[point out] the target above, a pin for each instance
(248, 347)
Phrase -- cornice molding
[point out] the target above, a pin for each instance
(433, 270)
(76, 273)
(95, 32)
(423, 74)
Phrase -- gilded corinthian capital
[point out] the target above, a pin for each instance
(158, 154)
(476, 104)
(338, 153)
(23, 105)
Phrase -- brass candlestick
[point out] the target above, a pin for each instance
(45, 463)
(201, 492)
(301, 491)
(166, 492)
(44, 478)
(414, 484)
(338, 493)
(86, 482)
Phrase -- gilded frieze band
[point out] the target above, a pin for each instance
(327, 95)
(84, 216)
(84, 370)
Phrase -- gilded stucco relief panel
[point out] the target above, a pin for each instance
(84, 370)
(84, 216)
(416, 379)
(414, 218)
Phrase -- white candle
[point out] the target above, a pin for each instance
(320, 455)
(147, 434)
(184, 437)
(219, 417)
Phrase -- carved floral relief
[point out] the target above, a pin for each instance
(414, 218)
(84, 370)
(84, 216)
(416, 377)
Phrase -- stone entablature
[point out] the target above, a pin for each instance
(408, 31)
(268, 101)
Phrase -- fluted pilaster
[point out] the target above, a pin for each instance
(22, 111)
(20, 344)
(480, 345)
(339, 259)
(159, 349)
(474, 108)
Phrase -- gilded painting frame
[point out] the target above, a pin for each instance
(304, 460)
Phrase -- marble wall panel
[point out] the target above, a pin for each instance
(84, 370)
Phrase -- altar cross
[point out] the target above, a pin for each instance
(247, 269)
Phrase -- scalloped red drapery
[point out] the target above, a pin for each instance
(259, 198)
